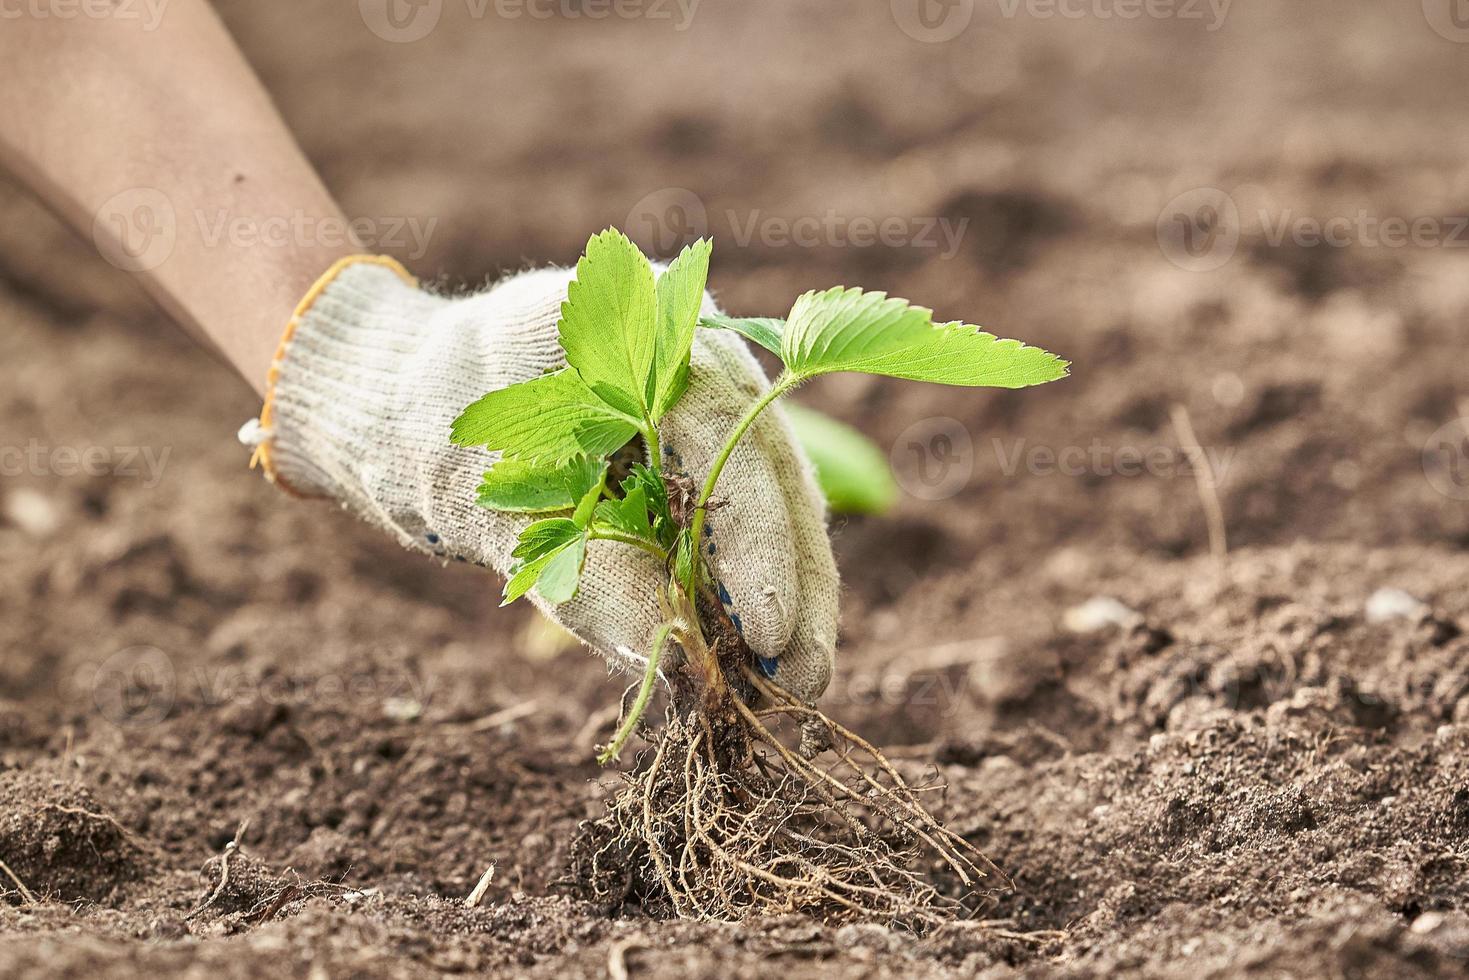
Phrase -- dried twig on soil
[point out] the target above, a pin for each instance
(504, 716)
(604, 717)
(478, 894)
(1206, 480)
(27, 897)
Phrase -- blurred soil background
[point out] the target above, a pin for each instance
(1189, 770)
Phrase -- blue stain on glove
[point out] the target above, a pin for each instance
(768, 665)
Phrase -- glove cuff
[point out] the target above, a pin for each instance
(333, 371)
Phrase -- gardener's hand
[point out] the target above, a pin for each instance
(373, 373)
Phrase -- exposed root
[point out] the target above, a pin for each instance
(722, 820)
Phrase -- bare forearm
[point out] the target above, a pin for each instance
(163, 145)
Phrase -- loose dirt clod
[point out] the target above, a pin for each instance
(61, 843)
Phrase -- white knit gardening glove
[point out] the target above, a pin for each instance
(372, 373)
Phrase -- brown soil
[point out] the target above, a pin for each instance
(1252, 776)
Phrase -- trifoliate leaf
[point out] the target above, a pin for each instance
(851, 330)
(609, 323)
(628, 516)
(562, 575)
(764, 331)
(550, 419)
(680, 295)
(516, 486)
(852, 472)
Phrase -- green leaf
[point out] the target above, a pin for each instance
(562, 574)
(543, 537)
(680, 295)
(628, 516)
(550, 419)
(852, 472)
(765, 331)
(655, 492)
(523, 577)
(683, 561)
(851, 330)
(516, 486)
(609, 323)
(587, 506)
(551, 554)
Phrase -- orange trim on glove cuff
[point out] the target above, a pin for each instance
(261, 457)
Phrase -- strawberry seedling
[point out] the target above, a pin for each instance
(709, 801)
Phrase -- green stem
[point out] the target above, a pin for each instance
(655, 448)
(647, 546)
(782, 385)
(645, 694)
